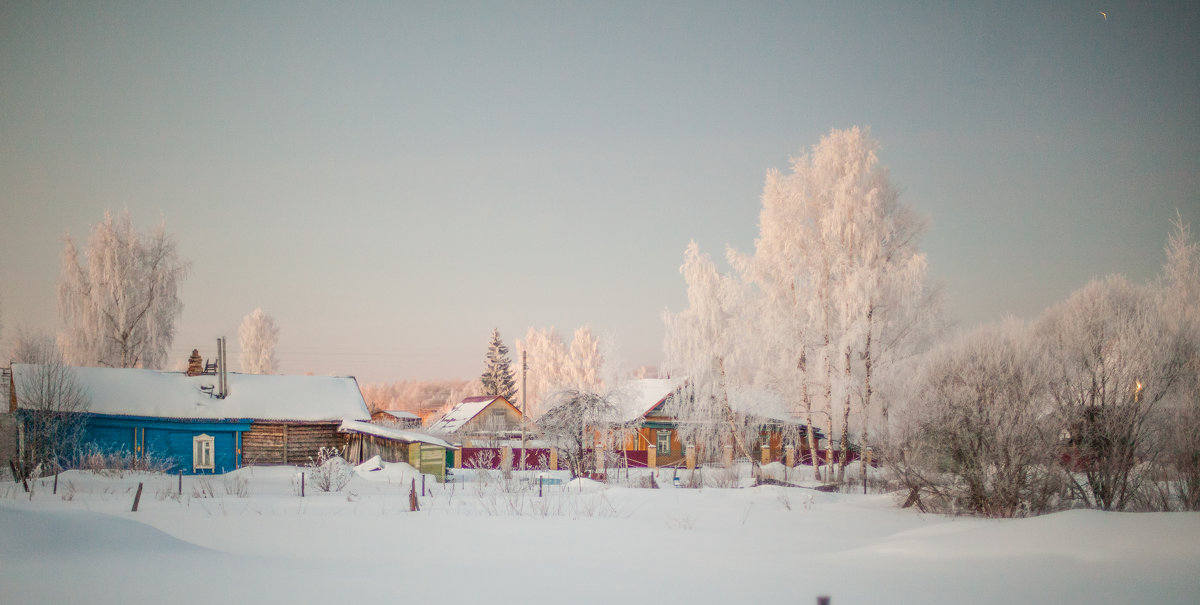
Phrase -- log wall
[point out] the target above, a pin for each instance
(288, 442)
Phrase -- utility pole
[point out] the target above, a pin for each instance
(524, 401)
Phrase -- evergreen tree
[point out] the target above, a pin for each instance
(497, 375)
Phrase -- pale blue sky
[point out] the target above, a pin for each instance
(392, 180)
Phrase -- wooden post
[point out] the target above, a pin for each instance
(422, 485)
(539, 486)
(181, 482)
(137, 498)
(55, 484)
(413, 505)
(301, 485)
(600, 462)
(822, 600)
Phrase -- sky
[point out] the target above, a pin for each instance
(390, 181)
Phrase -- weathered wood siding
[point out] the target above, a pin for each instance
(288, 442)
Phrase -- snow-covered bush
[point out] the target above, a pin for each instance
(330, 472)
(978, 440)
(117, 463)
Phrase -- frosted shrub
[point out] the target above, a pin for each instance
(482, 460)
(116, 463)
(203, 488)
(236, 486)
(977, 441)
(329, 472)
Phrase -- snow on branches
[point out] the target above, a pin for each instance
(121, 307)
(497, 378)
(552, 366)
(258, 336)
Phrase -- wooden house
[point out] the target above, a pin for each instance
(480, 422)
(641, 406)
(210, 423)
(423, 452)
(644, 407)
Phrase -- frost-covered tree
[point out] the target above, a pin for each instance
(837, 283)
(548, 368)
(121, 306)
(1179, 421)
(52, 403)
(567, 422)
(701, 345)
(258, 336)
(497, 378)
(976, 437)
(553, 367)
(587, 361)
(1113, 357)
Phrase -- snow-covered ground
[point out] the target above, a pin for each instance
(493, 541)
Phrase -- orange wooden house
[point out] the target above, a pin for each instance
(644, 410)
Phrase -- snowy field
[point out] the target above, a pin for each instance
(248, 535)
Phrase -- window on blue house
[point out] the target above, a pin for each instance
(202, 452)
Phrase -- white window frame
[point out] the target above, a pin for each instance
(659, 437)
(203, 452)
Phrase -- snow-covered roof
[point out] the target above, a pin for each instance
(637, 397)
(461, 414)
(366, 428)
(155, 393)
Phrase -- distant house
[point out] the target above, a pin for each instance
(398, 418)
(480, 421)
(424, 452)
(262, 419)
(643, 405)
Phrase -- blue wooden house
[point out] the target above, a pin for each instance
(200, 424)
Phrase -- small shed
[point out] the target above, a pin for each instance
(423, 452)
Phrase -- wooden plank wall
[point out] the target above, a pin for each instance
(287, 443)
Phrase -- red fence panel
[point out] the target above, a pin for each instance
(636, 458)
(481, 457)
(536, 458)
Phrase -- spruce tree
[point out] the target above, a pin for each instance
(497, 375)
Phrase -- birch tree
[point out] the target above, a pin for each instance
(257, 337)
(553, 367)
(700, 340)
(121, 305)
(587, 361)
(839, 274)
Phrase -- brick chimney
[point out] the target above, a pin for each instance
(195, 364)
